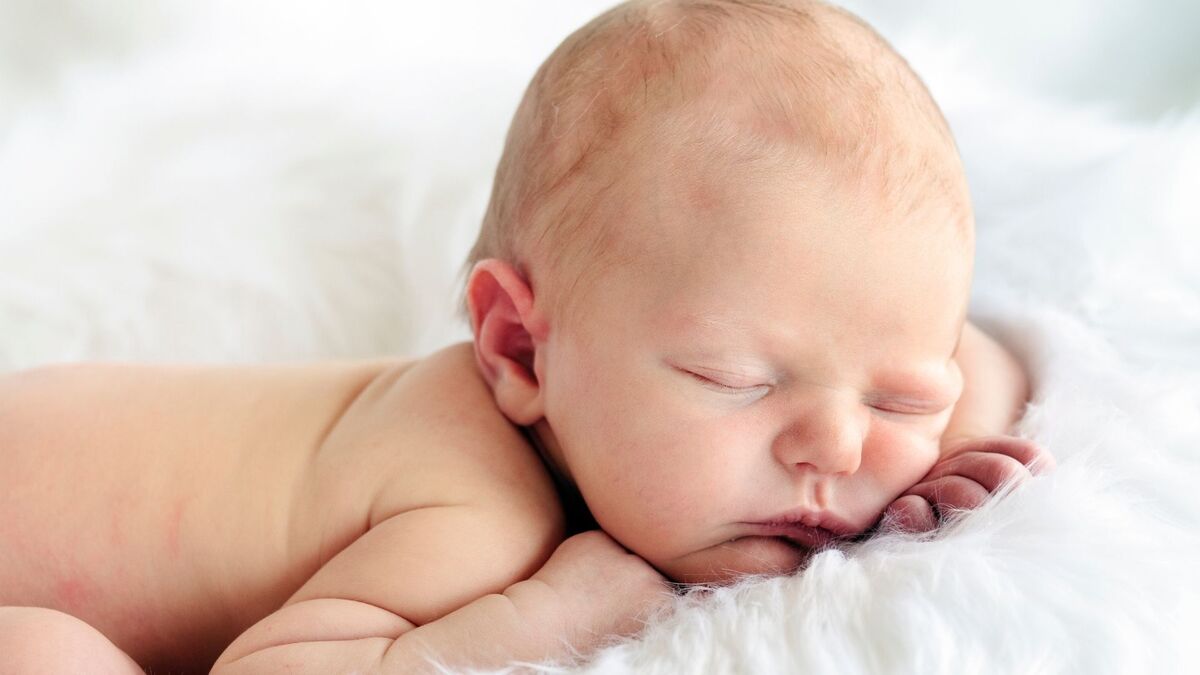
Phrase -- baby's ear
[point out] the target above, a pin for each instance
(508, 331)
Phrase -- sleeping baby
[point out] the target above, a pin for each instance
(719, 314)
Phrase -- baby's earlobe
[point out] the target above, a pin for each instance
(518, 396)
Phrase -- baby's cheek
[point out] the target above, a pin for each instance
(900, 457)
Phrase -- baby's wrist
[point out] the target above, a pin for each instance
(539, 606)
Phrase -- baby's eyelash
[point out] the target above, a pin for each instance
(722, 386)
(894, 411)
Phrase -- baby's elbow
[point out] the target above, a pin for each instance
(316, 636)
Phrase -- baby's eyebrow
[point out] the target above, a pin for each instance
(708, 320)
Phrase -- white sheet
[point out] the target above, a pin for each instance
(266, 181)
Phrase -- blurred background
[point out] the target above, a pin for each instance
(265, 181)
(1140, 57)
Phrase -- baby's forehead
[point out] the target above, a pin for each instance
(736, 235)
(723, 177)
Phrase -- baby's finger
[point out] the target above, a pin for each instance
(1023, 450)
(1043, 463)
(951, 492)
(988, 469)
(910, 514)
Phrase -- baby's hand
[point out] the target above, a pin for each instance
(969, 471)
(592, 589)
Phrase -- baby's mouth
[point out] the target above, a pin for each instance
(797, 534)
(804, 528)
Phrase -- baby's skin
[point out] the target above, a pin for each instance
(319, 512)
(758, 350)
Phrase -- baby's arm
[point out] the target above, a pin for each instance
(995, 389)
(977, 453)
(379, 606)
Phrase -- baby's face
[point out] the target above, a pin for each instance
(779, 351)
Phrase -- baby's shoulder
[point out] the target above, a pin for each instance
(447, 442)
(455, 495)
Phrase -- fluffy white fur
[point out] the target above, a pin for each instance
(268, 181)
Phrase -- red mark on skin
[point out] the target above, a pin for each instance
(705, 198)
(74, 593)
(174, 525)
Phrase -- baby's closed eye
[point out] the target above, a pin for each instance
(726, 381)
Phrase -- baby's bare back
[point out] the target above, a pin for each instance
(171, 507)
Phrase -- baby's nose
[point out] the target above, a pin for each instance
(827, 438)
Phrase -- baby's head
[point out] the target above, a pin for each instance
(722, 278)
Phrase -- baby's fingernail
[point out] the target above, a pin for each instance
(1042, 466)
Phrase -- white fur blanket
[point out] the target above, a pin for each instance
(226, 181)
